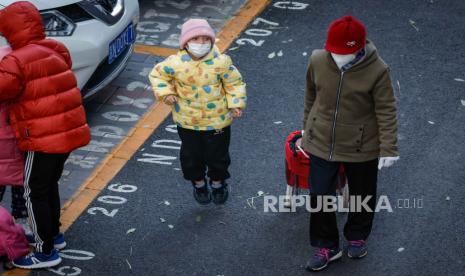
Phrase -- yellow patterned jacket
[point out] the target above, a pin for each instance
(206, 89)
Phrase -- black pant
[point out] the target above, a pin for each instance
(202, 150)
(42, 172)
(362, 179)
(18, 204)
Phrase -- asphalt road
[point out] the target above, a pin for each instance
(158, 229)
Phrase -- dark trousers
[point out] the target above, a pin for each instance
(205, 150)
(42, 172)
(18, 204)
(362, 179)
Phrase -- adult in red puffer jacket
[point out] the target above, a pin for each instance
(47, 116)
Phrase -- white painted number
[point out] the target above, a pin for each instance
(93, 211)
(243, 41)
(121, 116)
(107, 131)
(258, 20)
(156, 159)
(181, 5)
(162, 144)
(96, 146)
(112, 199)
(122, 188)
(291, 5)
(78, 255)
(64, 270)
(258, 32)
(172, 128)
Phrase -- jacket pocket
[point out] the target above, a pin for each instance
(370, 137)
(348, 137)
(319, 133)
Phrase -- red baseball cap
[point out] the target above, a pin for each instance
(346, 35)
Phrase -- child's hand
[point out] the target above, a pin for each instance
(236, 112)
(170, 100)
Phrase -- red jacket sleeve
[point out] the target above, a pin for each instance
(11, 80)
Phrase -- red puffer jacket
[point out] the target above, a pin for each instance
(46, 109)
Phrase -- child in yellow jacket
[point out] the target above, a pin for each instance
(206, 92)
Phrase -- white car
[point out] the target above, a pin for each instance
(100, 35)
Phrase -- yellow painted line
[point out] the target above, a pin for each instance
(234, 26)
(230, 31)
(120, 155)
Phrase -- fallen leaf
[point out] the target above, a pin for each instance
(280, 53)
(400, 249)
(162, 220)
(458, 79)
(413, 25)
(170, 226)
(272, 55)
(198, 219)
(132, 230)
(167, 203)
(130, 267)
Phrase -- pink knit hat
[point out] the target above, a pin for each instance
(195, 27)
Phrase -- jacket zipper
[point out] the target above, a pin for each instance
(333, 133)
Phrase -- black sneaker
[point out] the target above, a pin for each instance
(202, 195)
(322, 257)
(357, 249)
(220, 195)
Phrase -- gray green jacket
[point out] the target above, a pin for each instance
(349, 116)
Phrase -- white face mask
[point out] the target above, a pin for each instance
(342, 60)
(199, 50)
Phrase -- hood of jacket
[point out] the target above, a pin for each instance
(21, 24)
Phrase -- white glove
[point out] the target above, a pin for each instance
(386, 162)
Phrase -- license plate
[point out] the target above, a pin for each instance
(124, 40)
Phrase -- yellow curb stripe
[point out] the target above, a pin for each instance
(234, 26)
(113, 163)
(230, 31)
(119, 156)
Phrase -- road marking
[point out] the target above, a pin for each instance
(118, 158)
(230, 31)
